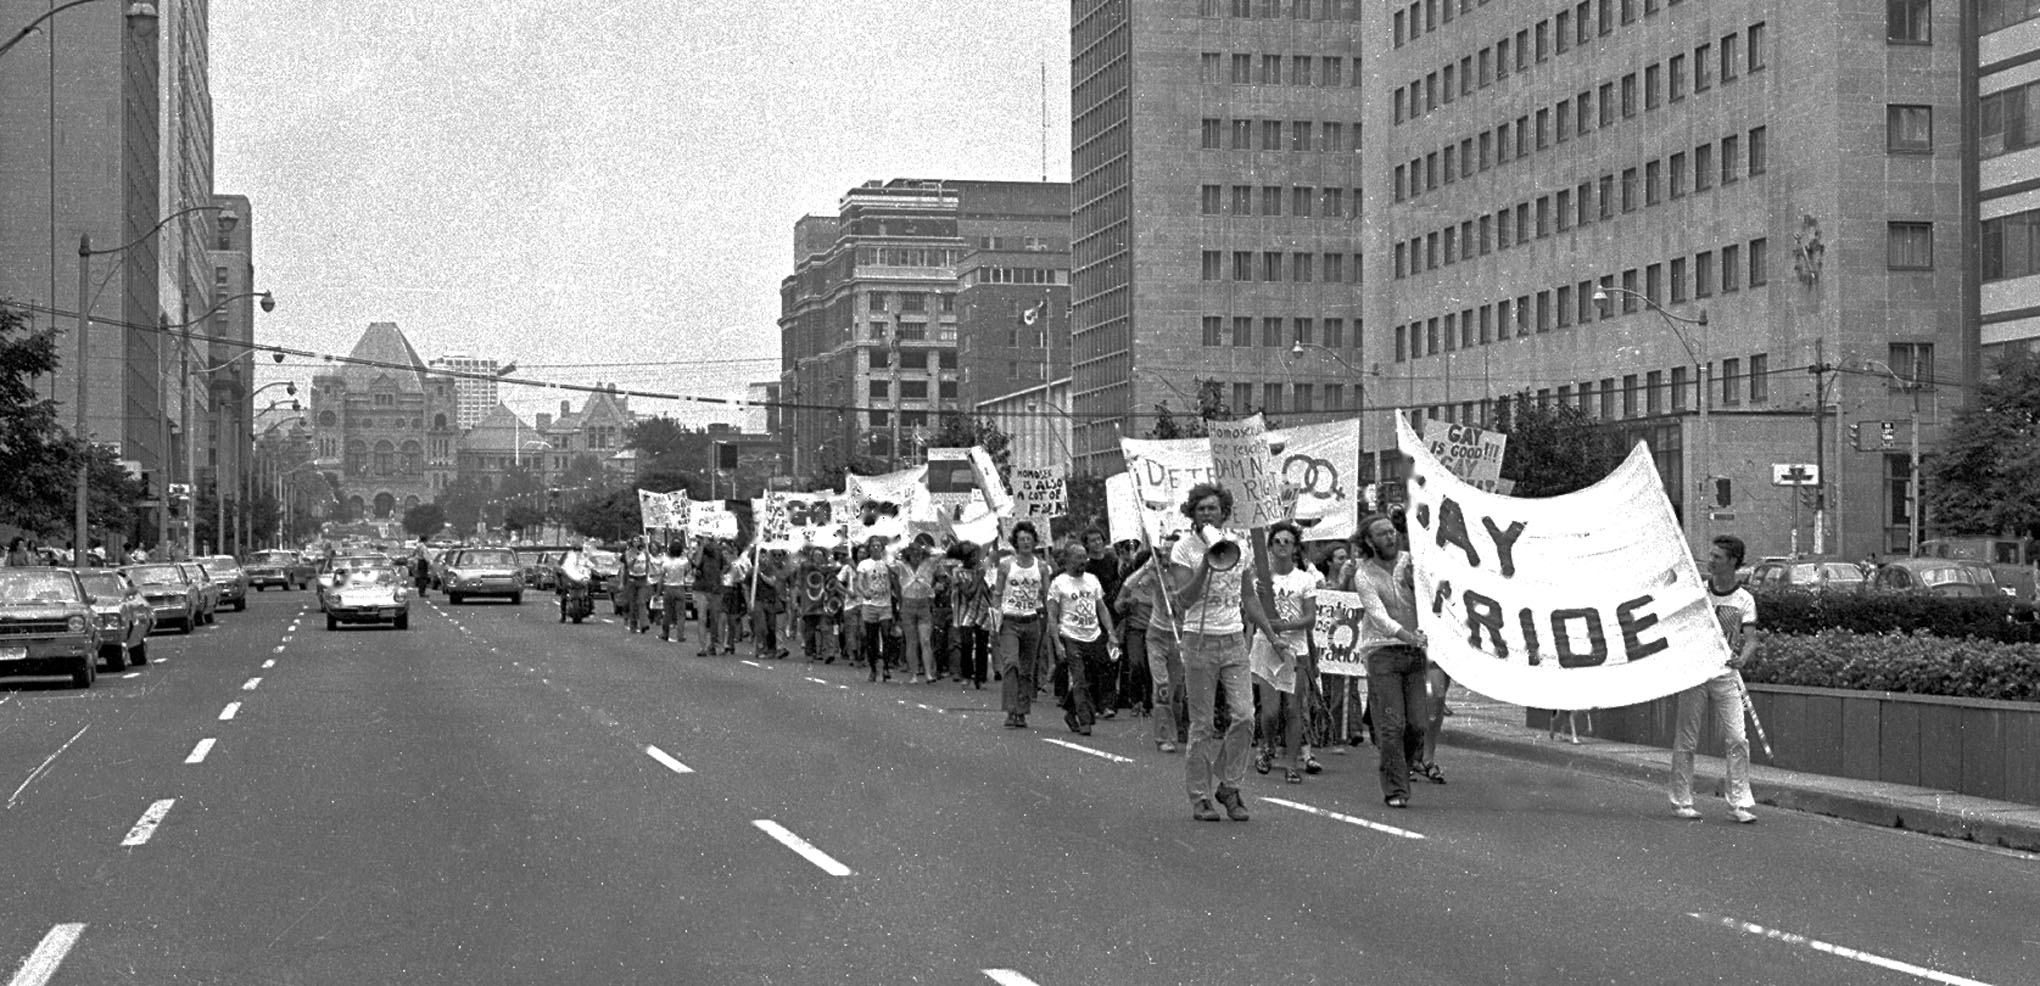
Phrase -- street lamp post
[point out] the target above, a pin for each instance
(1701, 368)
(140, 16)
(230, 447)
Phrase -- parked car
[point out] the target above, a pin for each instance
(1940, 576)
(125, 618)
(370, 594)
(1816, 574)
(168, 590)
(208, 590)
(283, 569)
(473, 572)
(232, 579)
(538, 567)
(2012, 560)
(331, 567)
(47, 625)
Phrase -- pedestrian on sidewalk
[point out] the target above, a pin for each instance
(1019, 595)
(1208, 570)
(1083, 636)
(1721, 695)
(1393, 649)
(672, 578)
(1281, 675)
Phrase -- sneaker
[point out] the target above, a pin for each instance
(1264, 761)
(1165, 746)
(1203, 811)
(1235, 808)
(1689, 812)
(1742, 815)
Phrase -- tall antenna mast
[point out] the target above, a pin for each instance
(1044, 120)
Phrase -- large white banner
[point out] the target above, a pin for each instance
(1322, 463)
(1163, 472)
(952, 480)
(1244, 463)
(1582, 601)
(1122, 507)
(908, 488)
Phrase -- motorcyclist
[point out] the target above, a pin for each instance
(575, 575)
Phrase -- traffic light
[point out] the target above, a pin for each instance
(1856, 437)
(1721, 491)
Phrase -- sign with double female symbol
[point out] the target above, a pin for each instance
(1795, 474)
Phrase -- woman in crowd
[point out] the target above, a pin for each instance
(1394, 651)
(1343, 708)
(671, 580)
(1083, 635)
(969, 615)
(1281, 677)
(708, 580)
(919, 577)
(1019, 594)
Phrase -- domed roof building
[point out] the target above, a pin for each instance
(385, 427)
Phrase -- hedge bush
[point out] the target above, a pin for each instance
(1799, 611)
(1917, 663)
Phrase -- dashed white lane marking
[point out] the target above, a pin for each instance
(45, 765)
(807, 851)
(1007, 977)
(1348, 819)
(132, 674)
(667, 759)
(1838, 950)
(146, 827)
(1114, 757)
(278, 650)
(269, 663)
(754, 664)
(250, 684)
(49, 953)
(844, 687)
(818, 681)
(228, 712)
(198, 752)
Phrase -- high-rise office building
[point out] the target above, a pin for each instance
(1216, 207)
(476, 394)
(1768, 195)
(2007, 74)
(228, 334)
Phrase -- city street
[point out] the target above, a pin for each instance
(494, 797)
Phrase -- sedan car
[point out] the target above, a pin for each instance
(283, 569)
(331, 569)
(231, 578)
(1818, 575)
(208, 590)
(472, 572)
(47, 625)
(169, 592)
(125, 618)
(1939, 576)
(370, 595)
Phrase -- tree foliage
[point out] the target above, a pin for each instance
(424, 520)
(1554, 448)
(518, 518)
(1985, 478)
(37, 483)
(1211, 406)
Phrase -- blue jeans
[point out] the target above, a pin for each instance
(1165, 668)
(1725, 696)
(1019, 647)
(1395, 689)
(917, 635)
(1217, 761)
(1089, 661)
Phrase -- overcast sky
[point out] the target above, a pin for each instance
(599, 181)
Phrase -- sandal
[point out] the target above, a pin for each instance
(1263, 762)
(1291, 775)
(1396, 801)
(1311, 765)
(1430, 772)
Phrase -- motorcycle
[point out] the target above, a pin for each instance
(577, 603)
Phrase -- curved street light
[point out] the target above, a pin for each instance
(1602, 295)
(140, 16)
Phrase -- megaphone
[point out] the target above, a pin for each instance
(1220, 551)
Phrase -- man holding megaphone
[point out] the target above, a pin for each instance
(1208, 571)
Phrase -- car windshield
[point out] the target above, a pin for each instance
(157, 575)
(1842, 572)
(356, 562)
(1946, 576)
(105, 585)
(485, 559)
(274, 558)
(222, 563)
(17, 588)
(371, 576)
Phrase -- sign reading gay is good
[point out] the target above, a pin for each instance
(1586, 600)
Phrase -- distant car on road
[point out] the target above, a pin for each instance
(47, 625)
(1816, 574)
(283, 569)
(168, 590)
(374, 594)
(330, 568)
(232, 579)
(473, 572)
(1939, 576)
(208, 590)
(125, 618)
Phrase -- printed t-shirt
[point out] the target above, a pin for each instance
(872, 587)
(1737, 613)
(1023, 589)
(1291, 589)
(1079, 596)
(1218, 610)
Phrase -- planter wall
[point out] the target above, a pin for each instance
(1981, 747)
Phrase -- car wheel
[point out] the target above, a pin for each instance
(85, 673)
(453, 599)
(404, 622)
(115, 659)
(138, 655)
(517, 599)
(185, 627)
(331, 622)
(241, 605)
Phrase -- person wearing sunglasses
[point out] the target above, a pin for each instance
(1281, 675)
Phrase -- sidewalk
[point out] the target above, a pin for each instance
(1478, 723)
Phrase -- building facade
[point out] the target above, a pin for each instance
(1037, 429)
(1215, 210)
(1013, 318)
(476, 394)
(384, 428)
(1727, 228)
(229, 333)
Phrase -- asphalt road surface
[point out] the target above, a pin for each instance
(492, 797)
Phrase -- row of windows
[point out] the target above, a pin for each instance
(1654, 392)
(908, 301)
(1292, 398)
(1995, 15)
(912, 390)
(1490, 66)
(911, 331)
(2011, 246)
(1279, 333)
(1547, 127)
(2003, 116)
(1302, 10)
(1239, 68)
(1215, 134)
(1558, 308)
(1269, 265)
(1301, 201)
(912, 359)
(908, 256)
(1660, 181)
(1018, 275)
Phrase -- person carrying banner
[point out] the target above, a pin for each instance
(1019, 595)
(1343, 708)
(671, 581)
(1282, 681)
(1736, 609)
(1394, 651)
(1083, 636)
(764, 603)
(1209, 571)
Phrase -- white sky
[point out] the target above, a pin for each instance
(613, 181)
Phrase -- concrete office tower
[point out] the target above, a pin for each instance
(2008, 172)
(80, 156)
(1215, 209)
(185, 277)
(1795, 170)
(886, 282)
(227, 336)
(477, 396)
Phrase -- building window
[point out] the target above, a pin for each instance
(1703, 68)
(2011, 246)
(1756, 42)
(1678, 175)
(1212, 133)
(1271, 265)
(1906, 21)
(1731, 381)
(1271, 333)
(1653, 86)
(1242, 135)
(1629, 395)
(1731, 269)
(1271, 397)
(1335, 333)
(1629, 95)
(1242, 331)
(1758, 152)
(1652, 183)
(1653, 283)
(1703, 274)
(1607, 104)
(1212, 200)
(1910, 246)
(1760, 378)
(1703, 167)
(1214, 265)
(1675, 75)
(1759, 271)
(1909, 129)
(1678, 279)
(1731, 159)
(1654, 392)
(1678, 388)
(1629, 190)
(1913, 362)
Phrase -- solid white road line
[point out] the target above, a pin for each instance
(1007, 977)
(147, 825)
(1838, 950)
(198, 752)
(228, 712)
(269, 663)
(1348, 819)
(1114, 757)
(797, 844)
(45, 765)
(667, 759)
(249, 685)
(42, 963)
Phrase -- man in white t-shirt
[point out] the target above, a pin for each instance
(1215, 610)
(1083, 634)
(1737, 610)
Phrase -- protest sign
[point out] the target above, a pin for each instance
(1582, 601)
(988, 480)
(711, 518)
(772, 526)
(810, 520)
(906, 488)
(1122, 508)
(951, 479)
(1322, 463)
(979, 527)
(1473, 454)
(1040, 491)
(656, 509)
(1163, 471)
(1241, 461)
(1337, 633)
